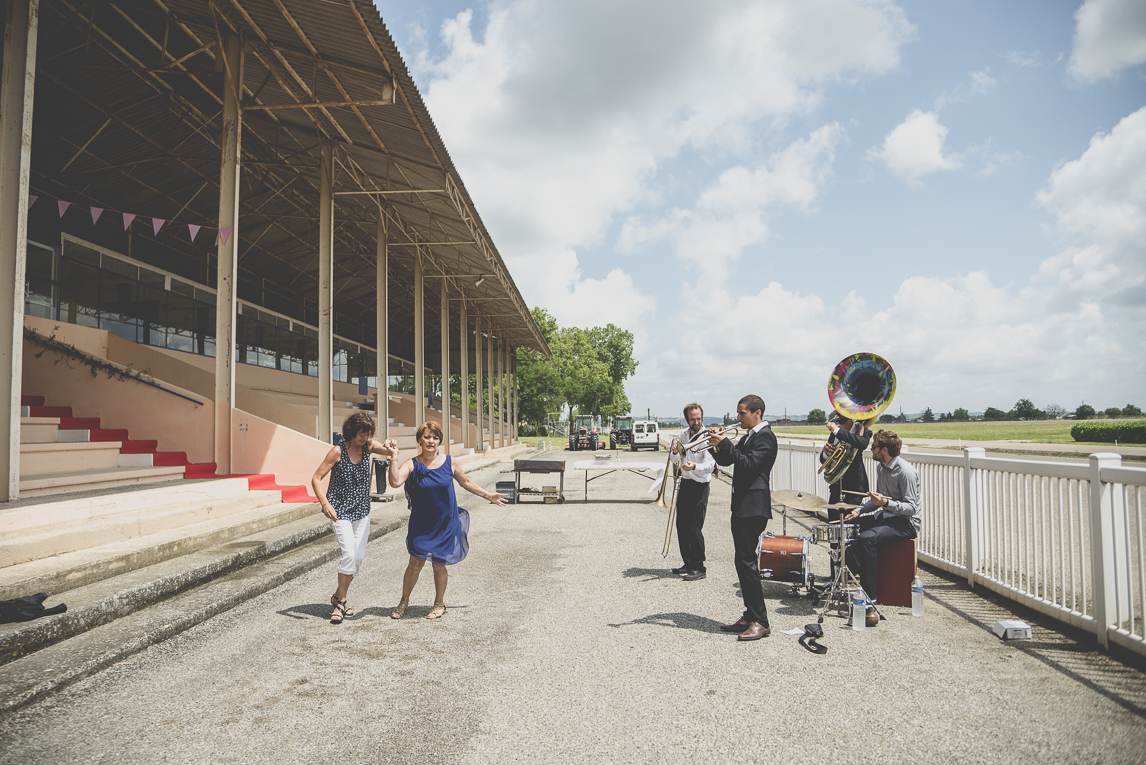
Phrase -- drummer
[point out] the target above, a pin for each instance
(894, 510)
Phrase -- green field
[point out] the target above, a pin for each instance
(1043, 432)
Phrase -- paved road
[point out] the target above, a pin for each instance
(568, 641)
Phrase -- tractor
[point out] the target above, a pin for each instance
(622, 432)
(584, 434)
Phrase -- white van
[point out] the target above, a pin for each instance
(645, 435)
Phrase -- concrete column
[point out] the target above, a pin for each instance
(501, 391)
(326, 293)
(513, 395)
(226, 303)
(445, 312)
(492, 382)
(419, 342)
(480, 446)
(17, 86)
(463, 320)
(382, 327)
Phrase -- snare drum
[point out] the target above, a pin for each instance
(783, 557)
(830, 532)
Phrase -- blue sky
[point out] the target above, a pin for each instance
(758, 189)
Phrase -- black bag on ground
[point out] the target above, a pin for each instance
(27, 608)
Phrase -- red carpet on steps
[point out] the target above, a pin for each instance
(262, 482)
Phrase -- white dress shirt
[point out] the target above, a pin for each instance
(705, 462)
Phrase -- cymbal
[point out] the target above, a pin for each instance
(809, 503)
(841, 506)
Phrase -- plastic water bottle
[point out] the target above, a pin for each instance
(859, 611)
(917, 597)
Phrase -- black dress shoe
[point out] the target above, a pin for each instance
(692, 576)
(681, 570)
(738, 626)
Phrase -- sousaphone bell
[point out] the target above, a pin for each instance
(860, 388)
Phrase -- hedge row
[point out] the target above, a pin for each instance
(1109, 432)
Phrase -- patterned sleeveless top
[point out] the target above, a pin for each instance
(349, 488)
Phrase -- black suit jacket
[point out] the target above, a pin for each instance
(752, 458)
(855, 479)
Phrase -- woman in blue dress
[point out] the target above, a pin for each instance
(438, 529)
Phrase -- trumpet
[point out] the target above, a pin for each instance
(700, 443)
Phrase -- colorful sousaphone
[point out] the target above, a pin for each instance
(860, 388)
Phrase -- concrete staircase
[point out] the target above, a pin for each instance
(61, 453)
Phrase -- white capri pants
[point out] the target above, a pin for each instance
(352, 538)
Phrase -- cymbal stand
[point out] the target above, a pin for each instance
(844, 583)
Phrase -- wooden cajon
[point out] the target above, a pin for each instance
(897, 570)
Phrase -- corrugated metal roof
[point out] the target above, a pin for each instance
(128, 113)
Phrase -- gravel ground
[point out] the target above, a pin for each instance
(568, 640)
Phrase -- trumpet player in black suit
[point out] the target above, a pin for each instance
(753, 456)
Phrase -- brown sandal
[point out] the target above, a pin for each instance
(399, 610)
(437, 612)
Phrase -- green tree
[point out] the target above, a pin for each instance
(1054, 411)
(993, 414)
(817, 417)
(729, 419)
(887, 419)
(927, 416)
(960, 415)
(1131, 411)
(539, 386)
(1113, 412)
(1025, 410)
(1084, 412)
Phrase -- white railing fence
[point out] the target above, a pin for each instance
(1067, 539)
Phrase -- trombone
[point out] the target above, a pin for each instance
(671, 504)
(698, 444)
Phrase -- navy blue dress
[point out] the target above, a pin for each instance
(438, 528)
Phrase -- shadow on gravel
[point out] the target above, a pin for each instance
(677, 620)
(650, 574)
(322, 611)
(1074, 653)
(307, 611)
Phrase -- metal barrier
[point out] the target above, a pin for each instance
(1067, 539)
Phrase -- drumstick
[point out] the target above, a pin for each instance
(858, 493)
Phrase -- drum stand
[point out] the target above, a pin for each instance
(840, 588)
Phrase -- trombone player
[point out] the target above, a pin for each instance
(696, 466)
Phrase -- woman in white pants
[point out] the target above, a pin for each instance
(346, 501)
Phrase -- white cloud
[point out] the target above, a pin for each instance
(1110, 35)
(558, 115)
(961, 341)
(1020, 58)
(731, 214)
(1099, 201)
(915, 148)
(982, 82)
(1076, 330)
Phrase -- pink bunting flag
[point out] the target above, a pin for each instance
(96, 212)
(193, 230)
(224, 235)
(127, 219)
(63, 207)
(156, 224)
(32, 200)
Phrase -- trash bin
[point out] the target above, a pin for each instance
(509, 489)
(380, 482)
